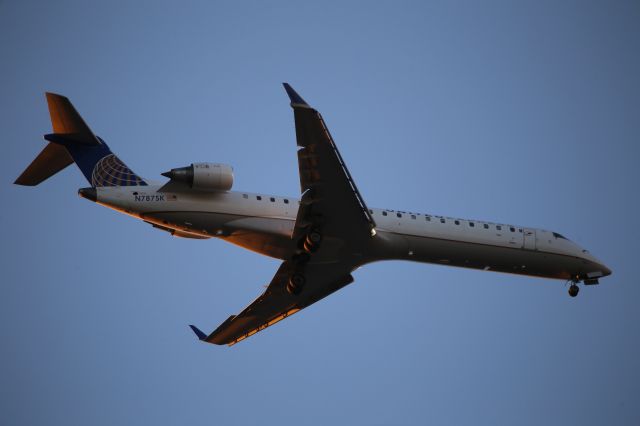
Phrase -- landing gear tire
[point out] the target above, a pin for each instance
(296, 283)
(574, 290)
(312, 241)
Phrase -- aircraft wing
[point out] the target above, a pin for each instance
(276, 304)
(329, 194)
(331, 206)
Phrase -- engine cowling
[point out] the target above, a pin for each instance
(204, 176)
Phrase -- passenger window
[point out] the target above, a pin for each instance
(520, 230)
(486, 226)
(457, 222)
(413, 216)
(286, 201)
(512, 229)
(471, 224)
(398, 214)
(258, 197)
(384, 213)
(442, 220)
(499, 228)
(245, 196)
(273, 200)
(370, 211)
(428, 218)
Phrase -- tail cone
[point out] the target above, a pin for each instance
(88, 193)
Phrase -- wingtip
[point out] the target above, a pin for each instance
(198, 332)
(21, 181)
(296, 99)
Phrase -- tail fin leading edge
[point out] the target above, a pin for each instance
(73, 141)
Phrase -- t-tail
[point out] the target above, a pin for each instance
(73, 141)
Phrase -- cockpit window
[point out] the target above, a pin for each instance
(555, 234)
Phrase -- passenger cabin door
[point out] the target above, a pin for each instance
(529, 239)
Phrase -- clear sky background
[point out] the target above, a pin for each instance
(514, 112)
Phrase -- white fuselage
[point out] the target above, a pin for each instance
(264, 223)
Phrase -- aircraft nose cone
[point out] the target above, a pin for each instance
(88, 193)
(606, 271)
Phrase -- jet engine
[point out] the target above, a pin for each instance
(204, 176)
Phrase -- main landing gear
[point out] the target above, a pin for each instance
(308, 245)
(312, 241)
(295, 283)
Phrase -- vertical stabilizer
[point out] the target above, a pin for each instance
(73, 141)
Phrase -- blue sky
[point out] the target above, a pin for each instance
(515, 112)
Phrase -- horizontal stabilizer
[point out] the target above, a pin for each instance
(66, 120)
(68, 139)
(50, 161)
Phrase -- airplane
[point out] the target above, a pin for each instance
(321, 238)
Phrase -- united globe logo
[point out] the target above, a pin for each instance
(111, 171)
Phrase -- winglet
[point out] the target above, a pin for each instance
(198, 332)
(296, 100)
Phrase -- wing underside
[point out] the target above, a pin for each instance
(328, 190)
(330, 206)
(276, 304)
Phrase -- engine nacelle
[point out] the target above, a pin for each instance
(204, 176)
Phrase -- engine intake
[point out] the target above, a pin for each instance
(204, 176)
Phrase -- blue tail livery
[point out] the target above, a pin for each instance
(73, 141)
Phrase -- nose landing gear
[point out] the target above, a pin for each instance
(574, 289)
